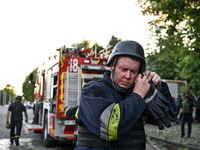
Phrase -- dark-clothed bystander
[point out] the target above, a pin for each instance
(187, 113)
(178, 103)
(16, 118)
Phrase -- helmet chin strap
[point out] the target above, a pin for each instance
(114, 84)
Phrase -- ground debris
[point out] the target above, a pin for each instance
(171, 137)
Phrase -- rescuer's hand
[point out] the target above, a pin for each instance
(26, 120)
(156, 79)
(159, 108)
(142, 85)
(193, 115)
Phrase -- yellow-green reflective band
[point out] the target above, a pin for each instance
(76, 115)
(17, 136)
(66, 109)
(144, 122)
(113, 123)
(76, 132)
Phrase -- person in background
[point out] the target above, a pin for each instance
(16, 118)
(111, 110)
(198, 109)
(187, 113)
(178, 102)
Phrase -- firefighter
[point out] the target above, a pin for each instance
(178, 102)
(187, 112)
(16, 110)
(110, 112)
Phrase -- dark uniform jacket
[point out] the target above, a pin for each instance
(16, 110)
(112, 116)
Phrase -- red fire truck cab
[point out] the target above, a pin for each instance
(57, 91)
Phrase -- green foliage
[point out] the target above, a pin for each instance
(165, 62)
(10, 91)
(86, 43)
(184, 148)
(98, 47)
(83, 44)
(191, 72)
(113, 41)
(27, 89)
(176, 26)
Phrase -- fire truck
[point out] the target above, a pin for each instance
(58, 88)
(176, 87)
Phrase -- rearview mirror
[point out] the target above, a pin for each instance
(31, 79)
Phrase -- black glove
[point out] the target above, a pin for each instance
(159, 107)
(70, 111)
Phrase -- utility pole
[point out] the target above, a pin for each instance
(9, 99)
(4, 98)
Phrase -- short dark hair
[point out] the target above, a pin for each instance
(189, 97)
(18, 98)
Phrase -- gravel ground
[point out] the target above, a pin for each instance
(170, 137)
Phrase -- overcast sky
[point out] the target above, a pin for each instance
(31, 31)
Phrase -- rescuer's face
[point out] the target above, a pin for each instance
(126, 71)
(187, 100)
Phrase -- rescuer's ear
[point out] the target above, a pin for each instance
(111, 66)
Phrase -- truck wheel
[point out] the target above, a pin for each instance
(48, 140)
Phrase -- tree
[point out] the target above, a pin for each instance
(86, 43)
(83, 44)
(165, 61)
(98, 47)
(27, 89)
(113, 41)
(10, 92)
(172, 18)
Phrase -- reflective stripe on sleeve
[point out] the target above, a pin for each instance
(109, 122)
(76, 115)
